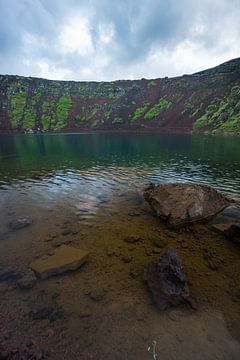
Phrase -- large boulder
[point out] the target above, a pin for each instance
(181, 204)
(166, 281)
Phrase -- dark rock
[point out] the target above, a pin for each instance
(159, 243)
(134, 273)
(97, 294)
(45, 307)
(20, 223)
(85, 312)
(8, 273)
(126, 259)
(156, 251)
(211, 263)
(110, 251)
(181, 204)
(28, 280)
(166, 281)
(131, 239)
(41, 313)
(133, 213)
(4, 355)
(230, 231)
(67, 232)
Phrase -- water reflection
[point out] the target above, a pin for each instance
(82, 162)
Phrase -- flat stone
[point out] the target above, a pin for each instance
(20, 223)
(65, 258)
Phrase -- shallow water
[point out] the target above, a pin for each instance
(91, 183)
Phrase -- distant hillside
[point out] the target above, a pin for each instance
(205, 102)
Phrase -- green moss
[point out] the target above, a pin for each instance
(46, 122)
(95, 123)
(79, 119)
(162, 105)
(139, 112)
(17, 104)
(152, 84)
(211, 115)
(63, 107)
(117, 120)
(29, 119)
(232, 123)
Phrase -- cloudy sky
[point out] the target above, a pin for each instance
(116, 39)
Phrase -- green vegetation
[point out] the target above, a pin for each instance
(79, 119)
(63, 107)
(117, 120)
(222, 114)
(139, 112)
(232, 124)
(29, 119)
(162, 105)
(152, 84)
(46, 122)
(17, 104)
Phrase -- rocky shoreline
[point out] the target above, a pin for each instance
(75, 315)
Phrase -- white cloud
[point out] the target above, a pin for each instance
(75, 36)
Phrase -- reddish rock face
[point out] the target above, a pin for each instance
(181, 204)
(199, 102)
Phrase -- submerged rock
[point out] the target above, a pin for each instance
(230, 231)
(181, 204)
(45, 306)
(97, 294)
(28, 280)
(64, 258)
(8, 273)
(166, 281)
(20, 223)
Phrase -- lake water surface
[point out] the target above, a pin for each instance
(71, 166)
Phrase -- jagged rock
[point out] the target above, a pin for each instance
(166, 281)
(230, 230)
(28, 280)
(181, 204)
(20, 223)
(45, 306)
(64, 258)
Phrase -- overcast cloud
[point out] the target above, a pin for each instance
(116, 39)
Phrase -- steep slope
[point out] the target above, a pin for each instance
(208, 101)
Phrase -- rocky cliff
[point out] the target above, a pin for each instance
(208, 101)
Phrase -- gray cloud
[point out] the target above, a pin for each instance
(111, 39)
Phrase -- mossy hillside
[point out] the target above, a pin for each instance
(222, 114)
(139, 112)
(62, 111)
(162, 105)
(16, 109)
(209, 99)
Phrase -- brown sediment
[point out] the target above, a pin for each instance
(124, 322)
